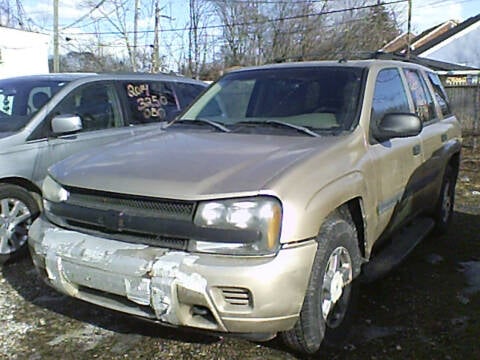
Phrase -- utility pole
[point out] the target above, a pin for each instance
(56, 56)
(409, 27)
(135, 35)
(156, 55)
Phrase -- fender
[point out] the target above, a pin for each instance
(331, 196)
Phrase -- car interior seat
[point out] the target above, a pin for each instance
(39, 99)
(95, 109)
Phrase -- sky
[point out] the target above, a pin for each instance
(425, 14)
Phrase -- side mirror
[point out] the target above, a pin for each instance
(66, 124)
(397, 126)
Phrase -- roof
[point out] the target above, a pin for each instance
(445, 35)
(46, 77)
(106, 76)
(363, 63)
(21, 31)
(399, 43)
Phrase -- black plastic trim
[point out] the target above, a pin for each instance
(112, 221)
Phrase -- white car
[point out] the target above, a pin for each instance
(45, 118)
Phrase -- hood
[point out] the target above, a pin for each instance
(186, 165)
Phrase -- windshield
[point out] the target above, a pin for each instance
(20, 99)
(320, 99)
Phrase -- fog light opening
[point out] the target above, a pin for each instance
(204, 312)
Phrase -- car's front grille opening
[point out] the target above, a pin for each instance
(236, 296)
(129, 218)
(134, 204)
(115, 302)
(153, 240)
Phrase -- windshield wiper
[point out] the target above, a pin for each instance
(211, 123)
(284, 124)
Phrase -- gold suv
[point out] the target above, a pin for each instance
(262, 206)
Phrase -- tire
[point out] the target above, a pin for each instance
(328, 309)
(18, 209)
(444, 208)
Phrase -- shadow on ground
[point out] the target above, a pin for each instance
(423, 309)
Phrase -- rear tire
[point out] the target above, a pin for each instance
(329, 302)
(444, 207)
(18, 209)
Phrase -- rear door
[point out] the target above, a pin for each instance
(434, 135)
(438, 135)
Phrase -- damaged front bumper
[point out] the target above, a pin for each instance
(213, 292)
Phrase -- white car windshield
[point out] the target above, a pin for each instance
(22, 98)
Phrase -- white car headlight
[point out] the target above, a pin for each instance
(53, 191)
(261, 215)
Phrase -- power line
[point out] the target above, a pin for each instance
(290, 32)
(84, 16)
(266, 21)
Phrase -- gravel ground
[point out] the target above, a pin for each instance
(428, 308)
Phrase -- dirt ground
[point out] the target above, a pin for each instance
(428, 308)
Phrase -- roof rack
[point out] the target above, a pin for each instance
(434, 64)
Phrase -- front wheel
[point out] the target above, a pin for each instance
(329, 302)
(17, 211)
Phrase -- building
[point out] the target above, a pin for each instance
(23, 52)
(452, 49)
(449, 42)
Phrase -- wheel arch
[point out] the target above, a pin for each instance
(454, 162)
(27, 185)
(349, 192)
(355, 207)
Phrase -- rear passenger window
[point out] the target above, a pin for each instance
(424, 106)
(389, 95)
(440, 94)
(150, 101)
(187, 93)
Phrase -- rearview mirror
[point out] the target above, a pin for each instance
(66, 124)
(397, 126)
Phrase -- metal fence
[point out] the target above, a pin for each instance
(464, 94)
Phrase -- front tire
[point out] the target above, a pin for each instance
(329, 301)
(18, 209)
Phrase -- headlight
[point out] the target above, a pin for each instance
(262, 215)
(53, 191)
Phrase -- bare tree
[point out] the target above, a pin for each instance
(123, 19)
(13, 15)
(199, 15)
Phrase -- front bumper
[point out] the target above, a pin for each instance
(219, 293)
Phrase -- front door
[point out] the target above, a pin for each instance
(98, 106)
(396, 160)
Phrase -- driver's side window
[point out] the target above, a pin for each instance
(389, 96)
(96, 105)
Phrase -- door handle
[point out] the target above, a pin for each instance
(444, 137)
(416, 149)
